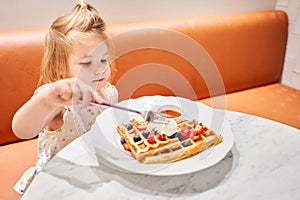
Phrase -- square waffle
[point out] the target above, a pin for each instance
(173, 142)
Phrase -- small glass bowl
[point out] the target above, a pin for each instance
(173, 110)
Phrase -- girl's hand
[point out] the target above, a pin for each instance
(44, 110)
(69, 91)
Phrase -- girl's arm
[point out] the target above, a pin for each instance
(43, 109)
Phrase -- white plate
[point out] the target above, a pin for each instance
(108, 150)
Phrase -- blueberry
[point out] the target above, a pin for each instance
(146, 133)
(136, 138)
(179, 136)
(186, 143)
(129, 126)
(122, 140)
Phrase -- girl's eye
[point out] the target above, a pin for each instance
(103, 61)
(87, 63)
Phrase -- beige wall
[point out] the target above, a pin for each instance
(35, 14)
(29, 14)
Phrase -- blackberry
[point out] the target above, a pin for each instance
(136, 138)
(146, 133)
(129, 126)
(122, 140)
(179, 136)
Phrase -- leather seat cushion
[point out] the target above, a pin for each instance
(275, 101)
(15, 159)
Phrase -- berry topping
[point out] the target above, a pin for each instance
(136, 138)
(160, 136)
(151, 139)
(186, 143)
(179, 136)
(122, 140)
(126, 147)
(185, 132)
(146, 133)
(141, 125)
(199, 131)
(129, 126)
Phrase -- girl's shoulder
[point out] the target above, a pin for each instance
(41, 88)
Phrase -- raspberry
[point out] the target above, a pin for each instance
(160, 137)
(185, 132)
(151, 139)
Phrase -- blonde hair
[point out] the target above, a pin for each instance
(77, 27)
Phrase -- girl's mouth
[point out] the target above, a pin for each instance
(99, 80)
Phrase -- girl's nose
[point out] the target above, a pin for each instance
(97, 72)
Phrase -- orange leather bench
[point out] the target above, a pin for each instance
(234, 62)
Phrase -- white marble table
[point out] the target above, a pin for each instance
(264, 163)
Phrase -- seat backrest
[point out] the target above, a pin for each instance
(193, 57)
(20, 59)
(198, 57)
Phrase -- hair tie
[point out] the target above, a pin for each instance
(83, 3)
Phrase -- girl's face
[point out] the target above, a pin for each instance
(90, 63)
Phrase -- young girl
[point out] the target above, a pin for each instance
(76, 45)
